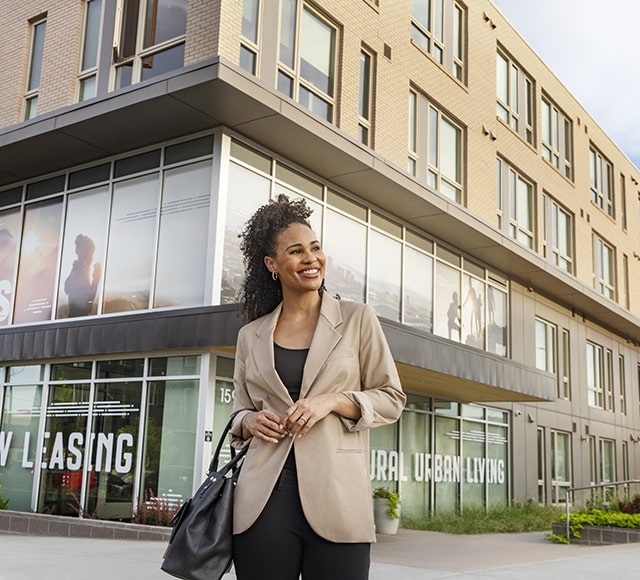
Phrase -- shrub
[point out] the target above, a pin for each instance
(516, 518)
(393, 500)
(154, 511)
(4, 503)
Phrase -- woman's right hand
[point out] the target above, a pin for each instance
(263, 424)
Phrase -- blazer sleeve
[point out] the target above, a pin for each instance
(380, 398)
(241, 400)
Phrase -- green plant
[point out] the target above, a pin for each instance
(4, 503)
(596, 517)
(393, 500)
(154, 511)
(516, 518)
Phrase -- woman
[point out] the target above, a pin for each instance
(314, 374)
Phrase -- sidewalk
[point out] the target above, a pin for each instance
(410, 555)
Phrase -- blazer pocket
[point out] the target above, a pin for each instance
(341, 353)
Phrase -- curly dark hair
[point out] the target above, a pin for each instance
(260, 293)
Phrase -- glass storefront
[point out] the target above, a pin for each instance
(96, 437)
(447, 456)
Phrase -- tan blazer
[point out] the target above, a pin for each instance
(348, 354)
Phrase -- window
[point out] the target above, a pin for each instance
(604, 268)
(553, 356)
(412, 163)
(438, 27)
(306, 60)
(546, 338)
(541, 467)
(599, 377)
(557, 131)
(365, 97)
(514, 97)
(607, 464)
(564, 380)
(623, 385)
(88, 77)
(623, 201)
(441, 164)
(249, 42)
(560, 466)
(515, 204)
(601, 174)
(150, 37)
(35, 68)
(558, 234)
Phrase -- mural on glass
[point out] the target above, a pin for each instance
(446, 316)
(345, 246)
(496, 321)
(9, 239)
(247, 192)
(416, 447)
(170, 429)
(498, 458)
(418, 290)
(83, 250)
(38, 262)
(183, 240)
(446, 465)
(18, 435)
(385, 273)
(132, 236)
(473, 311)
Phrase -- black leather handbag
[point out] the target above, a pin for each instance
(200, 547)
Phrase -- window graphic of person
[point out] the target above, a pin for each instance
(474, 303)
(452, 314)
(79, 285)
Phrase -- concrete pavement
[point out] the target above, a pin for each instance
(410, 555)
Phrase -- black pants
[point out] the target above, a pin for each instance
(281, 545)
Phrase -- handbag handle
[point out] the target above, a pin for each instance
(235, 457)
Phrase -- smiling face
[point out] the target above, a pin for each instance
(298, 259)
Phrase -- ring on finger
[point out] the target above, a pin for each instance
(302, 418)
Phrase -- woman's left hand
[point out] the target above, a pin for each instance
(305, 413)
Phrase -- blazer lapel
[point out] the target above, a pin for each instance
(263, 355)
(324, 340)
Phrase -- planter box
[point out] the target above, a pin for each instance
(600, 535)
(31, 524)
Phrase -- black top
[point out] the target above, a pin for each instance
(289, 363)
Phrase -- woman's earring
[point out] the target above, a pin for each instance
(274, 275)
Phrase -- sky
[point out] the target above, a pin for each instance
(592, 47)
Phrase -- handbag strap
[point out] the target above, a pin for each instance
(235, 456)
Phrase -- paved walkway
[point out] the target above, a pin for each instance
(410, 555)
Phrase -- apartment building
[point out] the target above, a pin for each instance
(457, 187)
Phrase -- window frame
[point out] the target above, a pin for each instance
(515, 107)
(31, 94)
(292, 72)
(251, 45)
(366, 96)
(509, 207)
(559, 486)
(130, 39)
(552, 234)
(601, 181)
(91, 72)
(604, 279)
(441, 34)
(426, 121)
(556, 144)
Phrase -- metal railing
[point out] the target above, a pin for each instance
(610, 491)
